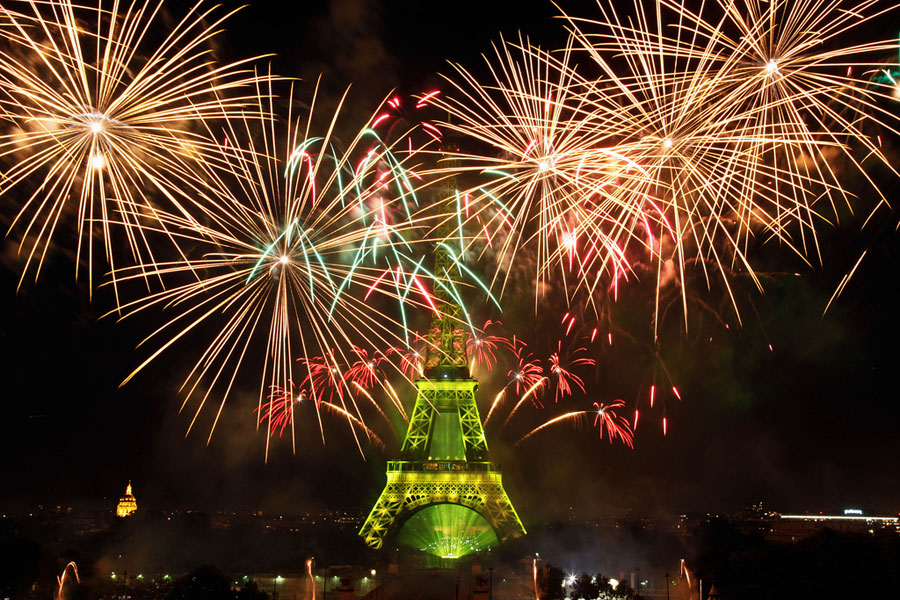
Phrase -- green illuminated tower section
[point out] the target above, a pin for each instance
(443, 459)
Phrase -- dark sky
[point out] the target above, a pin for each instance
(809, 425)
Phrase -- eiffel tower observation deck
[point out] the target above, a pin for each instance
(444, 457)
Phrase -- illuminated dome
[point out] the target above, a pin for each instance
(127, 504)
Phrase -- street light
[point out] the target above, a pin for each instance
(667, 586)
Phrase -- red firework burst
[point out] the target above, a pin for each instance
(482, 349)
(615, 425)
(278, 412)
(561, 369)
(528, 371)
(326, 378)
(365, 371)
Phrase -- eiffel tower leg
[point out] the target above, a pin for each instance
(382, 516)
(499, 512)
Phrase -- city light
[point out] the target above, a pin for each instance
(844, 517)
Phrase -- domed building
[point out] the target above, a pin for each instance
(127, 503)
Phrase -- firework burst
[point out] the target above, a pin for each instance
(366, 370)
(482, 347)
(103, 125)
(527, 372)
(606, 420)
(278, 413)
(548, 184)
(411, 359)
(738, 114)
(694, 135)
(296, 258)
(561, 369)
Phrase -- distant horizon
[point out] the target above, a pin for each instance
(626, 513)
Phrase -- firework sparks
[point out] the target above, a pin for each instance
(561, 369)
(61, 580)
(527, 372)
(701, 133)
(292, 252)
(737, 117)
(550, 183)
(605, 420)
(615, 425)
(278, 413)
(498, 400)
(401, 118)
(104, 125)
(482, 348)
(532, 394)
(411, 358)
(325, 377)
(788, 72)
(365, 371)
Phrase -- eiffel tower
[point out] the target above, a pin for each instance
(443, 459)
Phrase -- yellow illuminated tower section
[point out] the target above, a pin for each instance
(444, 457)
(127, 503)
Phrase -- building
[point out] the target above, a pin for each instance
(127, 503)
(792, 528)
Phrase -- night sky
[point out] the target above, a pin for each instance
(810, 424)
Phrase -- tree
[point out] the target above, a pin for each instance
(584, 587)
(203, 583)
(552, 584)
(250, 591)
(22, 563)
(605, 589)
(624, 590)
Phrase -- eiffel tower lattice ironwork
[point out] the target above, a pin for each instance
(443, 459)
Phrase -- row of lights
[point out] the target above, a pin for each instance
(140, 576)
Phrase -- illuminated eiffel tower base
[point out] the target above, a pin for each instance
(439, 469)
